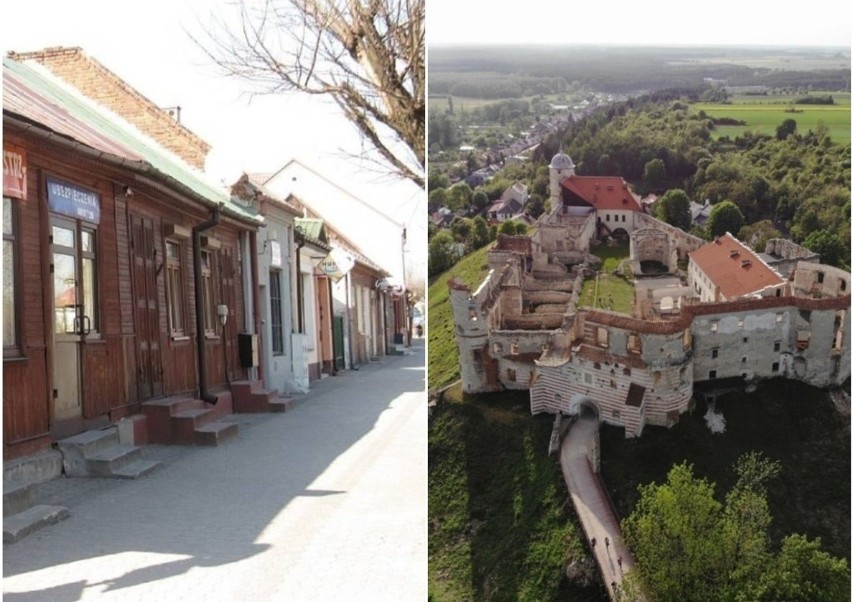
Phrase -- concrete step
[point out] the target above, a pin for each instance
(159, 414)
(258, 400)
(17, 497)
(18, 526)
(106, 462)
(77, 449)
(281, 404)
(215, 433)
(187, 422)
(134, 470)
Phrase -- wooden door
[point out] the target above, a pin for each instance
(145, 260)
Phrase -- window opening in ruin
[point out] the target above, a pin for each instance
(627, 372)
(634, 343)
(511, 376)
(775, 366)
(612, 384)
(842, 285)
(838, 331)
(714, 353)
(714, 326)
(740, 323)
(514, 348)
(603, 337)
(744, 360)
(776, 346)
(712, 374)
(745, 340)
(820, 277)
(616, 414)
(477, 360)
(498, 347)
(597, 366)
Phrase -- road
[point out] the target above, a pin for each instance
(324, 502)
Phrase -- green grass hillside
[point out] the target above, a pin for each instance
(443, 354)
(500, 523)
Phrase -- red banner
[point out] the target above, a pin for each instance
(14, 172)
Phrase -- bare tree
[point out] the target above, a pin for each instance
(366, 55)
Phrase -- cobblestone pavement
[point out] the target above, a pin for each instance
(324, 502)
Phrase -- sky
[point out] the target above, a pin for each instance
(147, 44)
(649, 22)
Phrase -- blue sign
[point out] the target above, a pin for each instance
(73, 201)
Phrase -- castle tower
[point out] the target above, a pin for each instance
(561, 167)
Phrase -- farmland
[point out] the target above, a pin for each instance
(764, 115)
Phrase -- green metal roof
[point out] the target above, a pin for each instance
(161, 161)
(312, 229)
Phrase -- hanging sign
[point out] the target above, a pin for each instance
(337, 264)
(73, 201)
(14, 172)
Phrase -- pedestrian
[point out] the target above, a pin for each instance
(606, 541)
(594, 541)
(619, 562)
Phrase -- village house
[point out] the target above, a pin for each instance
(733, 321)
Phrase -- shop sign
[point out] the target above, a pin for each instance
(73, 201)
(337, 264)
(14, 172)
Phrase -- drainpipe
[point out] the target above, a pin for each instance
(203, 393)
(257, 328)
(299, 246)
(334, 366)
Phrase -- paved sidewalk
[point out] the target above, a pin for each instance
(324, 502)
(593, 507)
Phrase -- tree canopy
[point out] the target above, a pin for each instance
(725, 217)
(673, 208)
(690, 546)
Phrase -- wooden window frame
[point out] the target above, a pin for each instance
(276, 322)
(176, 289)
(14, 349)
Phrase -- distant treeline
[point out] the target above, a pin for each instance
(511, 72)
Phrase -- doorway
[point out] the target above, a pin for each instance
(74, 309)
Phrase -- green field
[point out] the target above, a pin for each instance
(763, 118)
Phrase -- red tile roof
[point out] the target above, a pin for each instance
(607, 193)
(733, 268)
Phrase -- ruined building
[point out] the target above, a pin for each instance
(736, 318)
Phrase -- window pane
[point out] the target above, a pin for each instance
(63, 237)
(9, 335)
(87, 242)
(89, 308)
(7, 215)
(64, 292)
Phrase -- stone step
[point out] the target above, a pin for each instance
(134, 470)
(172, 405)
(17, 497)
(18, 526)
(215, 433)
(106, 462)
